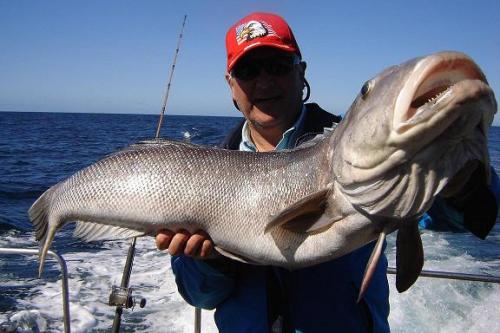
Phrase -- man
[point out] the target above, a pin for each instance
(266, 75)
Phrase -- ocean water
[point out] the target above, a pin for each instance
(39, 149)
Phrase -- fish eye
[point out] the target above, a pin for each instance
(365, 89)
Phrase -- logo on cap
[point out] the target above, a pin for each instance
(253, 29)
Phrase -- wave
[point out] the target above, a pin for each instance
(21, 195)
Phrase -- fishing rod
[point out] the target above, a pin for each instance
(167, 92)
(121, 297)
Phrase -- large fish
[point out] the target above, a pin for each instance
(415, 130)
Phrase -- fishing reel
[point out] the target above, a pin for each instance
(122, 297)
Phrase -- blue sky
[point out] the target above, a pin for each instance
(115, 56)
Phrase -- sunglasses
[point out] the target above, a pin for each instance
(249, 69)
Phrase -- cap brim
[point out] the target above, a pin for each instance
(256, 45)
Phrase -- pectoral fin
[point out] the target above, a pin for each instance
(470, 194)
(305, 216)
(480, 212)
(409, 256)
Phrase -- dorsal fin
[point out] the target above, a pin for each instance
(155, 143)
(146, 144)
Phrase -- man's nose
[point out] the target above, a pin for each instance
(264, 79)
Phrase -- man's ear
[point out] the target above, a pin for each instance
(229, 82)
(302, 66)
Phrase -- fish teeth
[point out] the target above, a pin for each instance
(438, 96)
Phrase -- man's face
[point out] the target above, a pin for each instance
(268, 100)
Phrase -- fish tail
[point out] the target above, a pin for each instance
(39, 212)
(39, 216)
(49, 237)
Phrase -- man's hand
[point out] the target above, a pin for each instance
(198, 245)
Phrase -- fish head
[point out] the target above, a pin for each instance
(410, 130)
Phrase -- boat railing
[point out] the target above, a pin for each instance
(64, 278)
(454, 276)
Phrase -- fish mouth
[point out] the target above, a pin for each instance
(440, 122)
(435, 88)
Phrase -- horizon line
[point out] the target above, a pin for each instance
(119, 113)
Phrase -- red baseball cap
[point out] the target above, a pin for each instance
(257, 30)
